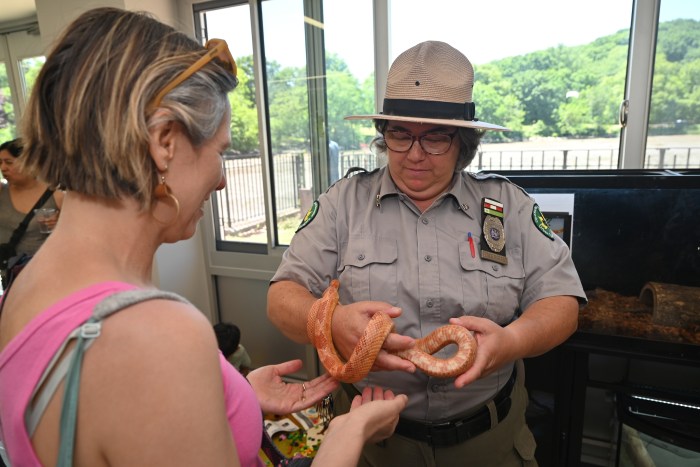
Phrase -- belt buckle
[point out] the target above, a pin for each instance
(440, 426)
(444, 434)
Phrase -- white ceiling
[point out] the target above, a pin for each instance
(11, 10)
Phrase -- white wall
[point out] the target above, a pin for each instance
(181, 268)
(54, 15)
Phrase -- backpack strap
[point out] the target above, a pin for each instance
(69, 367)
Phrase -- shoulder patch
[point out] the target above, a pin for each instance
(310, 214)
(541, 223)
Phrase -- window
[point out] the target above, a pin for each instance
(29, 70)
(288, 90)
(314, 67)
(553, 74)
(557, 76)
(7, 108)
(20, 63)
(311, 66)
(240, 207)
(673, 139)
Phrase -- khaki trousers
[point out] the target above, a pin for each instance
(508, 443)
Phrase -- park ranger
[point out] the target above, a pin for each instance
(430, 244)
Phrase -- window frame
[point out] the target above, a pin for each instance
(640, 66)
(263, 133)
(633, 136)
(16, 45)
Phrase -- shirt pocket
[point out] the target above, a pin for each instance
(368, 269)
(491, 290)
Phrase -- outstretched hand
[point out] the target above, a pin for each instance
(373, 417)
(278, 397)
(380, 408)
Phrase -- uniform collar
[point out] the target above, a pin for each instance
(387, 187)
(462, 193)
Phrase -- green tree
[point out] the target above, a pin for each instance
(560, 91)
(496, 102)
(288, 104)
(7, 110)
(31, 68)
(344, 97)
(244, 115)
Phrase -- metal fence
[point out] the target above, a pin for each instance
(241, 206)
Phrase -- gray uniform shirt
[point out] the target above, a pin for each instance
(371, 237)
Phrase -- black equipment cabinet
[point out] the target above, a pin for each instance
(629, 227)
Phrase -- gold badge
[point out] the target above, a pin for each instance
(493, 232)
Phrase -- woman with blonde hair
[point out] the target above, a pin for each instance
(131, 118)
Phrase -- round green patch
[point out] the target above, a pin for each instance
(541, 223)
(310, 214)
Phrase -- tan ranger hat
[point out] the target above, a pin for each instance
(431, 83)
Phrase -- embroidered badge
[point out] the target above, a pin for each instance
(493, 233)
(541, 223)
(310, 214)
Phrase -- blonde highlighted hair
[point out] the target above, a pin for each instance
(86, 127)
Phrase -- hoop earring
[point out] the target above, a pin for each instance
(163, 192)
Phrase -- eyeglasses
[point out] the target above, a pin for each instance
(216, 48)
(432, 143)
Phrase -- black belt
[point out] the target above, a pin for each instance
(457, 431)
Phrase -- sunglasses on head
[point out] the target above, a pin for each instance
(216, 49)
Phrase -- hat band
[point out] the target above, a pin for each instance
(429, 109)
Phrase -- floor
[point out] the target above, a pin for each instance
(296, 433)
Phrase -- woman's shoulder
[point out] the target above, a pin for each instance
(155, 342)
(154, 370)
(130, 315)
(162, 316)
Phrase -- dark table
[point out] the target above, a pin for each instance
(565, 372)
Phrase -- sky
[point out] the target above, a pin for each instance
(482, 30)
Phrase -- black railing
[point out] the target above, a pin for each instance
(241, 205)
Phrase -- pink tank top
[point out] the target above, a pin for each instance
(23, 360)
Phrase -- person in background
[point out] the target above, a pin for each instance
(429, 244)
(228, 337)
(139, 154)
(18, 196)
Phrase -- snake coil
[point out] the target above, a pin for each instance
(356, 368)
